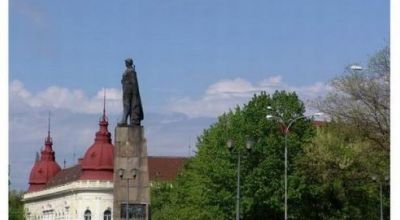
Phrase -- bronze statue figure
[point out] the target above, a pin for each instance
(130, 96)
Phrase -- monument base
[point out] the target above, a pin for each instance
(131, 175)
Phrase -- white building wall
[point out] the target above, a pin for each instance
(70, 201)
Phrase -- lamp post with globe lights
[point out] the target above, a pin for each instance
(286, 126)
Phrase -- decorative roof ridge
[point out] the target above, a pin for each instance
(48, 140)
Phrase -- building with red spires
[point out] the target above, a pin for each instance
(84, 190)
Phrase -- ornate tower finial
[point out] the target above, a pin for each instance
(48, 141)
(48, 131)
(37, 157)
(103, 133)
(104, 104)
(103, 118)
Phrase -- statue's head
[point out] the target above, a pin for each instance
(128, 62)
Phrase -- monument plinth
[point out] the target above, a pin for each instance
(131, 176)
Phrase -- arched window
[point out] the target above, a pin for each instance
(107, 215)
(88, 215)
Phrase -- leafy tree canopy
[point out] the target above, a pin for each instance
(207, 187)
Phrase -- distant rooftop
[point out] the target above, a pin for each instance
(165, 168)
(161, 168)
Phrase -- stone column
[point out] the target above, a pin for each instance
(130, 153)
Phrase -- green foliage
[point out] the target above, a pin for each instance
(207, 187)
(160, 194)
(15, 205)
(338, 167)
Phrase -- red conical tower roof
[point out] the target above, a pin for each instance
(98, 162)
(44, 168)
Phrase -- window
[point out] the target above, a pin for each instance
(88, 215)
(107, 215)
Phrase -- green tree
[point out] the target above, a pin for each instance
(15, 205)
(339, 164)
(207, 187)
(337, 168)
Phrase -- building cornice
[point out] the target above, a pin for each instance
(70, 188)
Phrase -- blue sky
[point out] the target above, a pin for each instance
(195, 59)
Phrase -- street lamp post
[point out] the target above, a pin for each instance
(121, 173)
(374, 178)
(230, 146)
(286, 127)
(380, 194)
(238, 188)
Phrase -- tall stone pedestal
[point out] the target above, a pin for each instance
(131, 175)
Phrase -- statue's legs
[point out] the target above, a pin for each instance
(126, 101)
(135, 119)
(125, 115)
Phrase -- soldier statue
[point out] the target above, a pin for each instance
(130, 96)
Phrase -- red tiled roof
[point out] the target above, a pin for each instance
(98, 162)
(161, 168)
(165, 168)
(67, 175)
(45, 168)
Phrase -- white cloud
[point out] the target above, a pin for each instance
(271, 82)
(17, 88)
(55, 97)
(237, 85)
(226, 94)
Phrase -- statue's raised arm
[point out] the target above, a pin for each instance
(131, 96)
